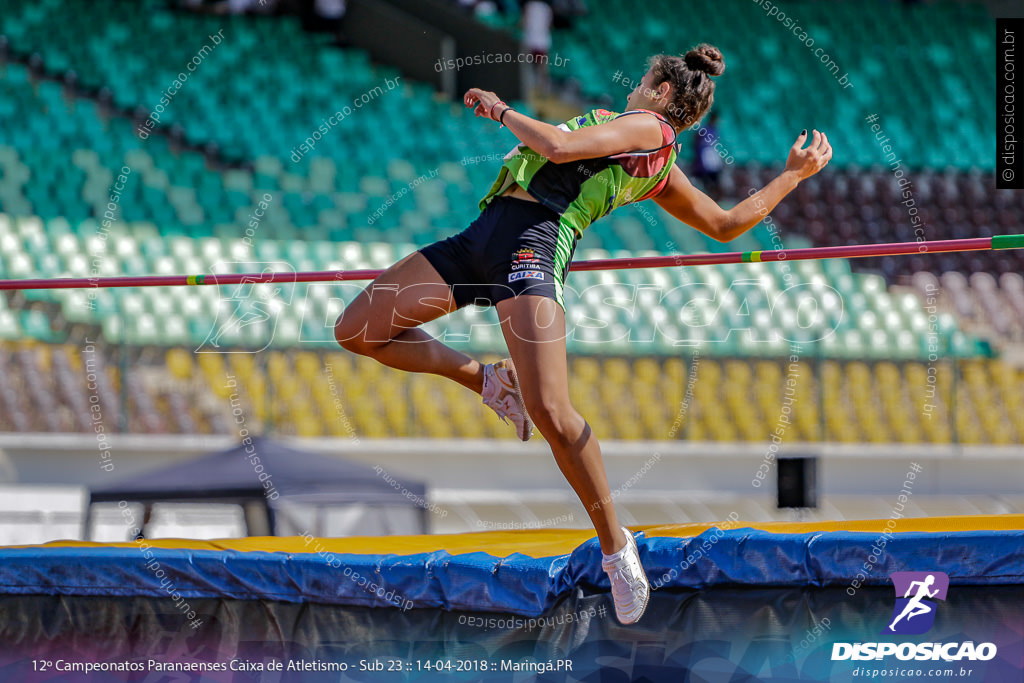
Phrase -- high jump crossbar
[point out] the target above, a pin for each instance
(997, 242)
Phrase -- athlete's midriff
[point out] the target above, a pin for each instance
(516, 191)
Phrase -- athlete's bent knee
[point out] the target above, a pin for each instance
(555, 418)
(351, 336)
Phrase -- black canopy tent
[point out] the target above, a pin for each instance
(262, 476)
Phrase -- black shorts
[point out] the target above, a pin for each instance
(514, 247)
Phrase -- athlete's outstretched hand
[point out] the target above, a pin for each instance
(483, 99)
(806, 161)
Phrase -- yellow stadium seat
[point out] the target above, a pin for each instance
(179, 363)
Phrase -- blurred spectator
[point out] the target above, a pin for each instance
(707, 162)
(537, 20)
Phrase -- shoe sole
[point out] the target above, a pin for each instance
(527, 422)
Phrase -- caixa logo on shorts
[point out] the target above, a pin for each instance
(525, 265)
(914, 614)
(526, 275)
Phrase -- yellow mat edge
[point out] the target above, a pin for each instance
(546, 542)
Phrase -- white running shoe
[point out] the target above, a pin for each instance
(630, 589)
(502, 395)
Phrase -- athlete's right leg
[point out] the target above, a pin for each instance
(382, 323)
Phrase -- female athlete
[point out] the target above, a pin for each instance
(516, 256)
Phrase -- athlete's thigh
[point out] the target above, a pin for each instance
(406, 295)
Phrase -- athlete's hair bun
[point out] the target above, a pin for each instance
(705, 58)
(692, 91)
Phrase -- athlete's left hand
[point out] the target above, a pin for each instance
(806, 161)
(483, 99)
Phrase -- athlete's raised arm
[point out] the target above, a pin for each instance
(624, 134)
(684, 201)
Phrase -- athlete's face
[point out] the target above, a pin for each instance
(646, 95)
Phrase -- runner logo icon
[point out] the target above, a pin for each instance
(914, 612)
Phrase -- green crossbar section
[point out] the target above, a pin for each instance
(1008, 242)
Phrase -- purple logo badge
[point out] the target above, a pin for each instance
(914, 613)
